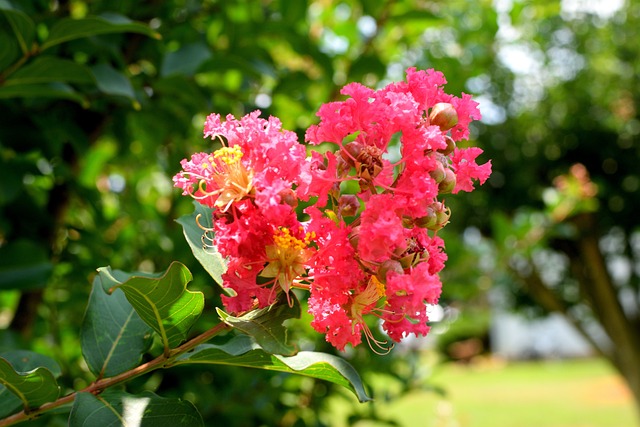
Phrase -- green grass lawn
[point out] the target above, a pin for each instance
(570, 393)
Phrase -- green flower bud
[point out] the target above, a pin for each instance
(448, 184)
(439, 173)
(443, 115)
(428, 221)
(451, 145)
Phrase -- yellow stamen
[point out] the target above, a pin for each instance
(232, 181)
(287, 257)
(229, 155)
(363, 303)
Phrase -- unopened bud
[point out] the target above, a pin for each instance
(442, 217)
(288, 197)
(439, 173)
(348, 204)
(354, 237)
(451, 145)
(427, 221)
(386, 267)
(443, 115)
(437, 217)
(414, 258)
(448, 184)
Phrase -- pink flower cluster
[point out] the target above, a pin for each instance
(369, 244)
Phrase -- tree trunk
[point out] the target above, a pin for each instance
(590, 268)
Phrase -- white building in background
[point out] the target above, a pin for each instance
(513, 336)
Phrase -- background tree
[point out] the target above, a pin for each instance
(93, 127)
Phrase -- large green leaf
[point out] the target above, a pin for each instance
(113, 336)
(23, 361)
(243, 350)
(265, 324)
(71, 29)
(45, 69)
(33, 387)
(22, 27)
(162, 300)
(116, 408)
(201, 243)
(10, 51)
(47, 90)
(24, 265)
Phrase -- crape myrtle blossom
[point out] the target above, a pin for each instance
(370, 247)
(249, 181)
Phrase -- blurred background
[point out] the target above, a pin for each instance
(539, 322)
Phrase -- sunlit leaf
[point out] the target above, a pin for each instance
(117, 408)
(113, 336)
(162, 300)
(33, 387)
(243, 350)
(23, 361)
(201, 243)
(71, 29)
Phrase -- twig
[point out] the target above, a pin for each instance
(99, 386)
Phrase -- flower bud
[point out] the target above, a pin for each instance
(386, 267)
(348, 205)
(288, 197)
(442, 216)
(428, 221)
(443, 115)
(451, 145)
(411, 259)
(448, 184)
(354, 237)
(439, 173)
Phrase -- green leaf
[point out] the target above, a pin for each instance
(186, 60)
(243, 351)
(113, 82)
(116, 408)
(24, 265)
(22, 26)
(265, 325)
(201, 243)
(45, 69)
(71, 29)
(10, 51)
(162, 300)
(113, 336)
(23, 361)
(293, 10)
(49, 90)
(33, 387)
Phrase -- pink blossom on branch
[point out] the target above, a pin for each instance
(370, 248)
